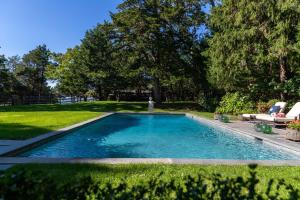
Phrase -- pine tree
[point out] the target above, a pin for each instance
(254, 45)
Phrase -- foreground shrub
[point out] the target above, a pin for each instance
(236, 103)
(29, 185)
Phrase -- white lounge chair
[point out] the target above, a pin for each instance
(254, 116)
(290, 116)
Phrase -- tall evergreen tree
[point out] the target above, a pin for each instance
(71, 74)
(4, 78)
(35, 64)
(254, 45)
(100, 50)
(158, 36)
(7, 81)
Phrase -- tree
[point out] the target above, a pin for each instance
(158, 36)
(18, 87)
(254, 46)
(100, 52)
(92, 67)
(13, 63)
(7, 81)
(34, 67)
(4, 78)
(149, 44)
(71, 74)
(2, 61)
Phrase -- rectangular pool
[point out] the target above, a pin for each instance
(156, 136)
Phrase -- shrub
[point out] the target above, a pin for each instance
(27, 185)
(263, 107)
(294, 125)
(235, 103)
(208, 103)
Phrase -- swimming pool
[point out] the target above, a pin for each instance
(156, 136)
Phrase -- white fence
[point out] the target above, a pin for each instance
(68, 100)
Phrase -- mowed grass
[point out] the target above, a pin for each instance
(135, 173)
(23, 125)
(23, 122)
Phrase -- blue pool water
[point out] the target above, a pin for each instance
(156, 136)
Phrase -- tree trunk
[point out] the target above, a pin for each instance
(41, 86)
(118, 96)
(282, 63)
(99, 92)
(157, 90)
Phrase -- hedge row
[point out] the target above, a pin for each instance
(35, 185)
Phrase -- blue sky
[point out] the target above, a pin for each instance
(60, 24)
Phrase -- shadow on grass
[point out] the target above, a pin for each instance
(90, 106)
(16, 131)
(180, 106)
(102, 107)
(73, 172)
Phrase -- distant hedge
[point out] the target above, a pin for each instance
(35, 185)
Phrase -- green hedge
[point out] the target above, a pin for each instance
(236, 103)
(36, 185)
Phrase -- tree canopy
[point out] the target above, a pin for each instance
(255, 47)
(25, 77)
(149, 44)
(160, 37)
(175, 50)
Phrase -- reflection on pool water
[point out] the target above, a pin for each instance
(156, 136)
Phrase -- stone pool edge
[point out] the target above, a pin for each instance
(31, 143)
(260, 137)
(44, 138)
(26, 160)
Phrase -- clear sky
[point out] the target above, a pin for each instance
(60, 24)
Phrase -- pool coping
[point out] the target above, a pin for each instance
(180, 161)
(44, 138)
(7, 159)
(261, 137)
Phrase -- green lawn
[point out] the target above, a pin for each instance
(135, 173)
(22, 122)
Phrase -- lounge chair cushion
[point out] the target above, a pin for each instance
(274, 109)
(295, 111)
(249, 115)
(282, 106)
(274, 119)
(253, 115)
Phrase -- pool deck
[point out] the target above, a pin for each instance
(246, 128)
(9, 148)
